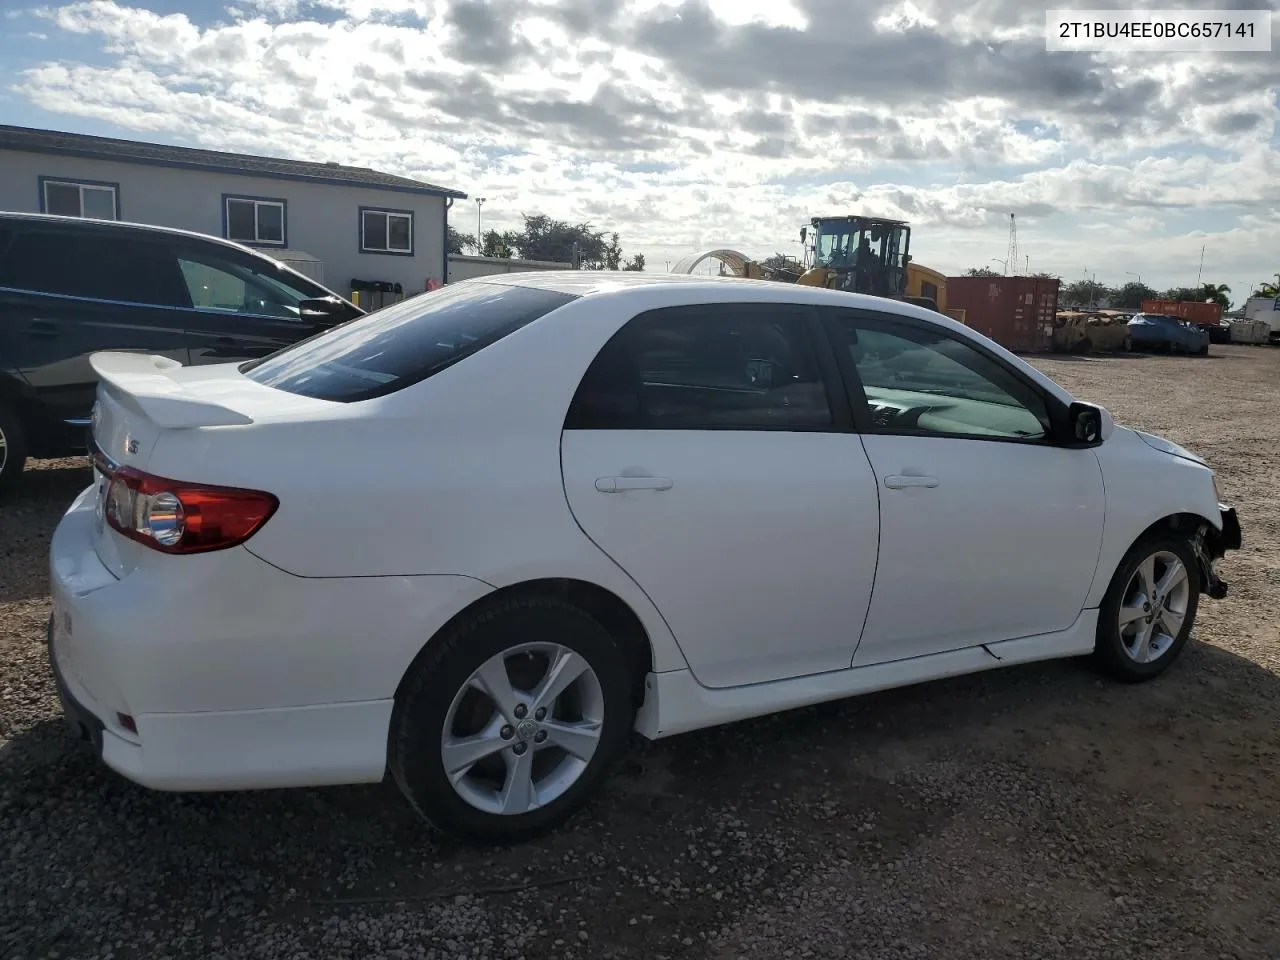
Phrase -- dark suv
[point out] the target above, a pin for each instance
(71, 286)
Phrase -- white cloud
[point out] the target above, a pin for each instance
(730, 125)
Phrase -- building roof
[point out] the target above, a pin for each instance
(33, 140)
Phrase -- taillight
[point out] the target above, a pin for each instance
(177, 517)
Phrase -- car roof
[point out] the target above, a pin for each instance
(638, 285)
(90, 223)
(640, 291)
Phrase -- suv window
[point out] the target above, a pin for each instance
(405, 343)
(100, 265)
(919, 381)
(740, 366)
(215, 282)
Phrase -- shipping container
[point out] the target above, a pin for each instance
(1198, 312)
(1015, 312)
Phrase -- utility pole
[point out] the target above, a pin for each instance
(479, 236)
(1028, 264)
(1201, 273)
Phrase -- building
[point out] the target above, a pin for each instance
(343, 226)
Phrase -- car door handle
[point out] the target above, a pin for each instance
(900, 482)
(43, 329)
(622, 484)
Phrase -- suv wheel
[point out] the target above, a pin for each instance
(13, 447)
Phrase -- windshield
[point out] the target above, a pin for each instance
(405, 343)
(875, 253)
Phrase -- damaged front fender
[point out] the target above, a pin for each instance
(1211, 545)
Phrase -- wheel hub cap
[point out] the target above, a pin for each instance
(522, 729)
(1153, 607)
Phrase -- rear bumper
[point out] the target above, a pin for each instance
(226, 673)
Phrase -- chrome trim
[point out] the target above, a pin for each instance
(88, 421)
(202, 311)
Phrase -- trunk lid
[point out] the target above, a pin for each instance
(141, 399)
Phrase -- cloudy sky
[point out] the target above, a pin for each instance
(688, 124)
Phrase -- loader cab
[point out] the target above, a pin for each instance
(864, 254)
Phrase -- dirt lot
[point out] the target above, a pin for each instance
(1032, 812)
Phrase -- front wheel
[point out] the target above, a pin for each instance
(1149, 609)
(508, 722)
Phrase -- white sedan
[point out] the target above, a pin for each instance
(476, 538)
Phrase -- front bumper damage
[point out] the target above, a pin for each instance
(1210, 546)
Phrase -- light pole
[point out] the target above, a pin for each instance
(479, 237)
(1004, 265)
(1130, 273)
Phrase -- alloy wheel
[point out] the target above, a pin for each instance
(1154, 607)
(523, 728)
(4, 450)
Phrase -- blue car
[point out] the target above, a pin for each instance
(1158, 331)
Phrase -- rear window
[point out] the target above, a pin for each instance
(403, 344)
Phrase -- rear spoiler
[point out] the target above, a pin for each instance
(143, 383)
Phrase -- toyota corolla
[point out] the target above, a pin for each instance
(476, 539)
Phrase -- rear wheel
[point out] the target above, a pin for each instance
(1149, 609)
(507, 723)
(13, 447)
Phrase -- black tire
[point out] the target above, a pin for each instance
(440, 672)
(1110, 653)
(13, 449)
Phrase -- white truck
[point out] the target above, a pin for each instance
(1266, 309)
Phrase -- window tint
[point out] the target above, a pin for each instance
(747, 366)
(255, 221)
(69, 198)
(402, 344)
(918, 381)
(103, 265)
(223, 283)
(386, 231)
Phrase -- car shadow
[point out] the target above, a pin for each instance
(29, 511)
(862, 781)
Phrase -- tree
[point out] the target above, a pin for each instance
(543, 238)
(1086, 293)
(460, 242)
(1217, 293)
(1266, 289)
(1045, 275)
(1131, 295)
(982, 272)
(502, 245)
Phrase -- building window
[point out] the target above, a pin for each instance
(386, 231)
(80, 198)
(256, 220)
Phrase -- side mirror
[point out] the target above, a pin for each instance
(323, 311)
(1089, 424)
(804, 234)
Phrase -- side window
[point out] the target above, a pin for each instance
(221, 283)
(931, 383)
(98, 265)
(727, 366)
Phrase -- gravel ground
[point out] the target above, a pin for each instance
(1032, 812)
